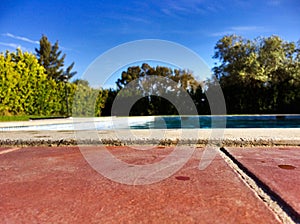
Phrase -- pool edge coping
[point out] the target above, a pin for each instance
(228, 137)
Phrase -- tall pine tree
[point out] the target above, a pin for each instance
(50, 58)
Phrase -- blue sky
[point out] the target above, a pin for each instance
(86, 29)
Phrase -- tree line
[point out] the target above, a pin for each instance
(157, 91)
(260, 75)
(256, 76)
(39, 84)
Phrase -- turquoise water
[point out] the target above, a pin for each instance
(249, 121)
(172, 122)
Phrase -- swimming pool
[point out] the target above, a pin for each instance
(232, 121)
(166, 122)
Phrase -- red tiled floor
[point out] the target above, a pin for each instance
(56, 185)
(278, 167)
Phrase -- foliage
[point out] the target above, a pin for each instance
(22, 83)
(87, 101)
(260, 76)
(26, 90)
(50, 58)
(152, 92)
(256, 76)
(110, 95)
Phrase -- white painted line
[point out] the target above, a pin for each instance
(8, 150)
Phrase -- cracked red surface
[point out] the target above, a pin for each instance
(56, 185)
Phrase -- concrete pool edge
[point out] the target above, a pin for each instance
(231, 137)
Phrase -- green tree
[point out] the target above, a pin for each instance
(277, 60)
(110, 95)
(52, 59)
(25, 88)
(23, 84)
(257, 76)
(152, 101)
(87, 101)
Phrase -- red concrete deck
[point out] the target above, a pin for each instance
(278, 168)
(57, 185)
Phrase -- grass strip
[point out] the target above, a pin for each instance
(25, 118)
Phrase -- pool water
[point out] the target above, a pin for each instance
(231, 121)
(170, 122)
